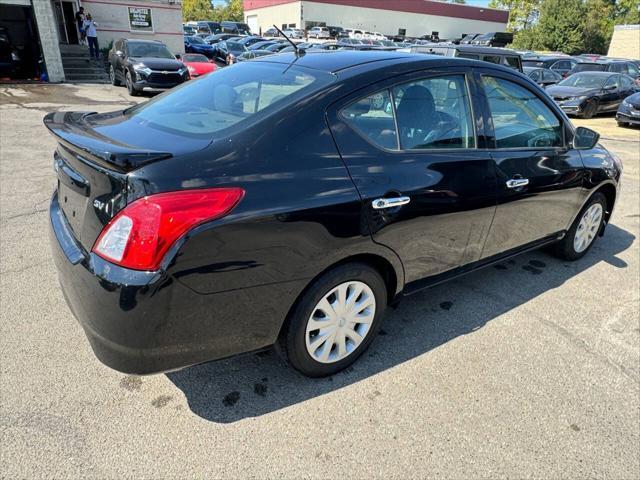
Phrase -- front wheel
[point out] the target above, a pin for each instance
(584, 231)
(335, 320)
(590, 109)
(129, 82)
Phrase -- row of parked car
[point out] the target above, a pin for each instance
(582, 86)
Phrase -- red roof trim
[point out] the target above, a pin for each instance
(426, 7)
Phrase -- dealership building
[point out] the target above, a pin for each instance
(412, 18)
(45, 35)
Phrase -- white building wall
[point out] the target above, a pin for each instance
(287, 13)
(112, 17)
(372, 19)
(388, 21)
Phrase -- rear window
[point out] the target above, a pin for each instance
(590, 67)
(231, 97)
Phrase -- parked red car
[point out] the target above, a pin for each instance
(198, 64)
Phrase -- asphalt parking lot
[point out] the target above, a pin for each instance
(529, 369)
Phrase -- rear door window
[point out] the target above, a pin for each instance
(520, 118)
(372, 117)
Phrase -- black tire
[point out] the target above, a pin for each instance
(112, 76)
(129, 82)
(622, 124)
(292, 341)
(565, 248)
(590, 109)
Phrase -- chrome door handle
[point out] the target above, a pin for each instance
(517, 182)
(380, 203)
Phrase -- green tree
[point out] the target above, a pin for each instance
(196, 10)
(561, 25)
(597, 26)
(522, 13)
(626, 12)
(234, 11)
(527, 39)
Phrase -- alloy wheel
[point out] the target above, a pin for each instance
(340, 322)
(588, 227)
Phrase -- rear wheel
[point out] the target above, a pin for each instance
(590, 109)
(584, 231)
(129, 82)
(335, 320)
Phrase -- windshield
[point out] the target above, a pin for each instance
(584, 81)
(485, 36)
(233, 96)
(153, 50)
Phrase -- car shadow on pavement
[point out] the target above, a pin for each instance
(256, 384)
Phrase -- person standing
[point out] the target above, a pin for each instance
(92, 36)
(80, 22)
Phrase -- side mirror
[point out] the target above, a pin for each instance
(585, 138)
(610, 87)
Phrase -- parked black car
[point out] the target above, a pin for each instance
(542, 76)
(625, 67)
(145, 66)
(500, 56)
(228, 50)
(559, 64)
(335, 32)
(279, 202)
(629, 111)
(493, 39)
(588, 93)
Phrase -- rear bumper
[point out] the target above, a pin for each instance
(149, 322)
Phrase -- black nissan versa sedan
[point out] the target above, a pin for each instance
(288, 200)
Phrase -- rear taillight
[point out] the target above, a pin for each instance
(139, 236)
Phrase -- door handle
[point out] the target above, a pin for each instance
(380, 203)
(517, 182)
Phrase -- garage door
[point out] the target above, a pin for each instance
(252, 21)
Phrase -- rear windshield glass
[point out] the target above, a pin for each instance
(590, 67)
(231, 97)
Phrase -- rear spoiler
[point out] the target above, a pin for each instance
(72, 131)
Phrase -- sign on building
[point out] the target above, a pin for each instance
(140, 19)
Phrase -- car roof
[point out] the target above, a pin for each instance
(334, 61)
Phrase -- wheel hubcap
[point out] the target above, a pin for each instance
(588, 227)
(340, 322)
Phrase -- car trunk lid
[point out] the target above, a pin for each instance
(92, 173)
